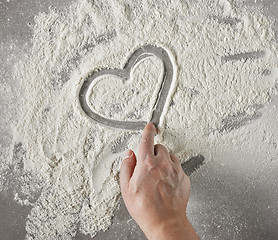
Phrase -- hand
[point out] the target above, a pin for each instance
(156, 190)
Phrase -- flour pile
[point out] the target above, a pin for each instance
(77, 159)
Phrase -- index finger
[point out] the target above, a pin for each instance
(146, 146)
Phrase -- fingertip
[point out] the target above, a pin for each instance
(127, 168)
(128, 153)
(155, 127)
(150, 126)
(175, 159)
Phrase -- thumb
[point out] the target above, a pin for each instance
(127, 168)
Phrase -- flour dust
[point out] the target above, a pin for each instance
(76, 159)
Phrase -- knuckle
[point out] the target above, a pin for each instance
(159, 145)
(159, 148)
(175, 159)
(174, 174)
(164, 165)
(136, 190)
(149, 161)
(164, 168)
(147, 139)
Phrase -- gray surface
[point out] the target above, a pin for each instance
(234, 197)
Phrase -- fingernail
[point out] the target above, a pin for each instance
(128, 153)
(154, 126)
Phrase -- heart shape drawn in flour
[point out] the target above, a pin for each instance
(157, 110)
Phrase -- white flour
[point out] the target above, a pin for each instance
(79, 159)
(113, 98)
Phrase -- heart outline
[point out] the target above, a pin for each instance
(163, 93)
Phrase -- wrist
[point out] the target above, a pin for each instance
(173, 229)
(166, 228)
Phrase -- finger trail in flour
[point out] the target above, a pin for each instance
(79, 159)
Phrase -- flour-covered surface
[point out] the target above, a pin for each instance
(59, 170)
(112, 97)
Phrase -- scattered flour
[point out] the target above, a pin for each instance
(77, 159)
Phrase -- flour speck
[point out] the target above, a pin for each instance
(226, 62)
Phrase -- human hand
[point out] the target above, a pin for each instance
(156, 190)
